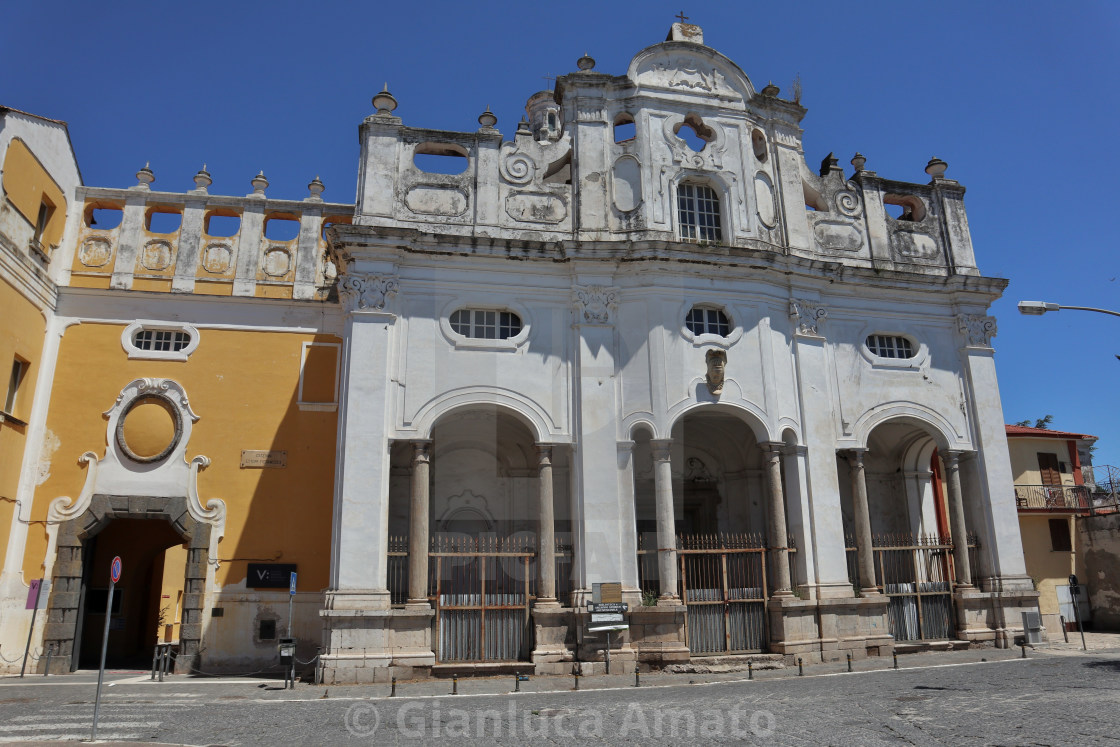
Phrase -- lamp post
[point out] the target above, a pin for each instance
(1038, 308)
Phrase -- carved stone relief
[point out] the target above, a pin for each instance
(95, 252)
(528, 207)
(977, 329)
(277, 262)
(366, 291)
(217, 258)
(431, 199)
(807, 316)
(156, 255)
(716, 361)
(627, 183)
(594, 303)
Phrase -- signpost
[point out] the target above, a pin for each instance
(291, 597)
(608, 612)
(114, 577)
(1074, 591)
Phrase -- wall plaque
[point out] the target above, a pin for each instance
(262, 459)
(269, 575)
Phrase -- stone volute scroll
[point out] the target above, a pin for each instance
(977, 329)
(365, 291)
(716, 361)
(595, 303)
(807, 316)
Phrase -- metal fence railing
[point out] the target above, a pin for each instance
(1052, 498)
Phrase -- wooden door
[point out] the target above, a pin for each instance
(1048, 466)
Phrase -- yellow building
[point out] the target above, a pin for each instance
(1050, 493)
(38, 173)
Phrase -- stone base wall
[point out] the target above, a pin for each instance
(830, 629)
(992, 618)
(365, 646)
(554, 639)
(658, 635)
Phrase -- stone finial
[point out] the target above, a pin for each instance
(384, 102)
(523, 127)
(260, 184)
(487, 119)
(586, 62)
(315, 187)
(771, 90)
(145, 176)
(936, 168)
(858, 161)
(202, 180)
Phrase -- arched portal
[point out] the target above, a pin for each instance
(708, 536)
(905, 525)
(481, 526)
(164, 551)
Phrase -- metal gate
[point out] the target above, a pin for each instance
(723, 585)
(482, 588)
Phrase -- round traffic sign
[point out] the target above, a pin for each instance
(115, 569)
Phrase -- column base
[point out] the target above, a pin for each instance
(657, 633)
(830, 629)
(364, 646)
(554, 638)
(993, 618)
(357, 599)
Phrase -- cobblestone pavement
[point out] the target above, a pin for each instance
(1055, 696)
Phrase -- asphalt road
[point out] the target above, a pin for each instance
(1048, 699)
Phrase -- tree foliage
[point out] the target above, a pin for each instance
(1043, 423)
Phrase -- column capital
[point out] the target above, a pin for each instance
(544, 453)
(363, 291)
(855, 456)
(594, 304)
(625, 447)
(660, 448)
(421, 451)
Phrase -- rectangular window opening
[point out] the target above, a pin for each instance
(1060, 540)
(19, 370)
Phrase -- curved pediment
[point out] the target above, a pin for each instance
(687, 68)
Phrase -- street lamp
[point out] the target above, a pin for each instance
(1038, 308)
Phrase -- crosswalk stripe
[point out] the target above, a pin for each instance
(73, 736)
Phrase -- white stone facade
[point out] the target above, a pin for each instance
(580, 236)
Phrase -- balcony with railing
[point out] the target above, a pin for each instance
(1052, 498)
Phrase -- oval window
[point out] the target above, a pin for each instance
(486, 324)
(890, 346)
(161, 340)
(703, 320)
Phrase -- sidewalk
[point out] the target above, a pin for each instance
(1094, 641)
(270, 689)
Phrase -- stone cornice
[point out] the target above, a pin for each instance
(383, 243)
(30, 281)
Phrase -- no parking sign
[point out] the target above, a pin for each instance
(115, 570)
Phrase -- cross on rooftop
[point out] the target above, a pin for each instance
(681, 16)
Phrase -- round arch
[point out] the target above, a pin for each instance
(936, 425)
(752, 417)
(528, 412)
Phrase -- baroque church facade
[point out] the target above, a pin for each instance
(637, 366)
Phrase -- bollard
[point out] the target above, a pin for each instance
(454, 685)
(849, 661)
(50, 653)
(1065, 633)
(576, 675)
(1024, 649)
(517, 683)
(750, 670)
(162, 662)
(800, 669)
(155, 660)
(895, 655)
(637, 681)
(393, 690)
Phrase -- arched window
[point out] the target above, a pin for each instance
(698, 213)
(890, 346)
(486, 324)
(705, 320)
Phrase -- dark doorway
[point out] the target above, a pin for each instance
(148, 599)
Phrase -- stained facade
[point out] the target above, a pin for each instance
(641, 342)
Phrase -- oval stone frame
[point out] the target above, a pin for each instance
(175, 414)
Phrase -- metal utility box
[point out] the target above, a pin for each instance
(287, 649)
(1032, 627)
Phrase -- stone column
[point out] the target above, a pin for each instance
(546, 549)
(863, 523)
(957, 524)
(666, 519)
(776, 505)
(418, 524)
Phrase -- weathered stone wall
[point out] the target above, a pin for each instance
(1099, 536)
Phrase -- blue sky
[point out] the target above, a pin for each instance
(1019, 98)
